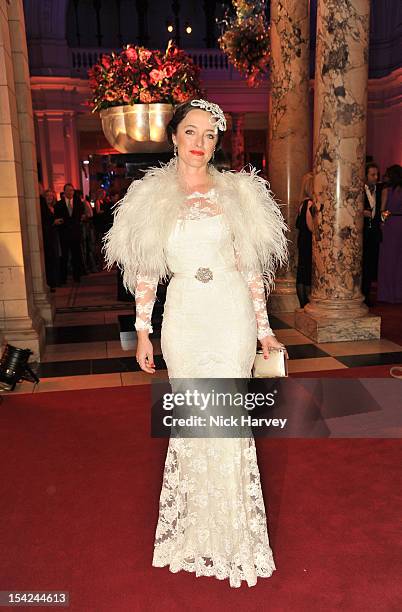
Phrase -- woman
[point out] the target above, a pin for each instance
(390, 259)
(101, 215)
(51, 243)
(88, 243)
(304, 223)
(218, 236)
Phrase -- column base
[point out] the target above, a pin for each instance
(26, 333)
(46, 307)
(284, 297)
(281, 302)
(326, 329)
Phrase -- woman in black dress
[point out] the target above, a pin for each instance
(51, 244)
(304, 223)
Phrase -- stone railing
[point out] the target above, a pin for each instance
(82, 59)
(212, 62)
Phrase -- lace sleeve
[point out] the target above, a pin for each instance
(145, 294)
(257, 290)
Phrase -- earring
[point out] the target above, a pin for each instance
(213, 155)
(175, 150)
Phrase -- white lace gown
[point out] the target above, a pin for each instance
(212, 518)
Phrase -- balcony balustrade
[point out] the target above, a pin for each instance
(213, 63)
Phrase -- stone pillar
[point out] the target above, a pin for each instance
(20, 321)
(336, 310)
(58, 148)
(289, 127)
(238, 141)
(28, 159)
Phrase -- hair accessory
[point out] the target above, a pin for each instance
(215, 111)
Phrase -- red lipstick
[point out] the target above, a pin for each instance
(195, 152)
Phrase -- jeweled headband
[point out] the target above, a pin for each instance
(215, 111)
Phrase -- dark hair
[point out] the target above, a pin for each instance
(49, 190)
(179, 114)
(371, 165)
(394, 174)
(68, 185)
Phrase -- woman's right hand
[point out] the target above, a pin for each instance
(145, 352)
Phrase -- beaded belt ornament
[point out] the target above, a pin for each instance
(204, 275)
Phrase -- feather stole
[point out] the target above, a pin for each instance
(146, 216)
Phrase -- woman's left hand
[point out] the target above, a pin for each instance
(271, 342)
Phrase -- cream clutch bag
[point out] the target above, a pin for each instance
(274, 367)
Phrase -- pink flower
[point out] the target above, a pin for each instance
(156, 75)
(144, 55)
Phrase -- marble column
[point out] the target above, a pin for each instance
(21, 323)
(238, 120)
(336, 310)
(58, 148)
(289, 127)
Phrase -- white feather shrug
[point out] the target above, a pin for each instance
(145, 217)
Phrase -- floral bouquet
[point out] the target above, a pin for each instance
(140, 76)
(246, 40)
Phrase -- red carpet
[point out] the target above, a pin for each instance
(81, 480)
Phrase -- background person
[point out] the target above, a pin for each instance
(371, 229)
(51, 241)
(390, 259)
(72, 212)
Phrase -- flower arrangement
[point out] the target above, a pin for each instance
(140, 76)
(246, 40)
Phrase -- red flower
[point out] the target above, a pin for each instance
(145, 97)
(169, 70)
(131, 54)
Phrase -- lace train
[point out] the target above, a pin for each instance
(212, 517)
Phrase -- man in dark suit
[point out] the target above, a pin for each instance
(71, 210)
(371, 229)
